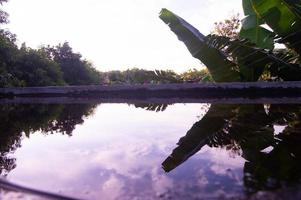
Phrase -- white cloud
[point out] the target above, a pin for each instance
(113, 188)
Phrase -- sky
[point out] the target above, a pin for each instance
(116, 34)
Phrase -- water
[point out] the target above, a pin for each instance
(152, 151)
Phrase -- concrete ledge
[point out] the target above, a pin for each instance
(79, 100)
(208, 90)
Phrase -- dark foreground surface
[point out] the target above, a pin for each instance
(147, 150)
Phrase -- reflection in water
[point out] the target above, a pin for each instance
(102, 159)
(152, 106)
(272, 160)
(27, 119)
(123, 162)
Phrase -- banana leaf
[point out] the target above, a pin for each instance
(221, 69)
(252, 29)
(250, 60)
(284, 17)
(286, 73)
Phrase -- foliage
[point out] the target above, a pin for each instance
(238, 59)
(253, 30)
(35, 69)
(167, 76)
(24, 66)
(228, 28)
(250, 60)
(194, 75)
(42, 67)
(8, 57)
(76, 71)
(283, 16)
(47, 66)
(3, 14)
(141, 76)
(220, 68)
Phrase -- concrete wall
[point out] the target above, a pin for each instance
(214, 90)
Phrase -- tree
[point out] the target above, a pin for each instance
(167, 76)
(8, 57)
(228, 28)
(3, 14)
(25, 66)
(76, 71)
(140, 76)
(46, 66)
(195, 75)
(34, 68)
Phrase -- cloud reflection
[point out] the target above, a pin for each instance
(119, 161)
(117, 154)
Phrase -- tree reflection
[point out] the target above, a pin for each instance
(152, 106)
(18, 121)
(248, 130)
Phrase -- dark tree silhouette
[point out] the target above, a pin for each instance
(3, 14)
(18, 121)
(76, 71)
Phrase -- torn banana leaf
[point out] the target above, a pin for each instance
(219, 66)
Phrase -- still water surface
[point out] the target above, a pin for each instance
(149, 151)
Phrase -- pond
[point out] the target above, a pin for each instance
(152, 151)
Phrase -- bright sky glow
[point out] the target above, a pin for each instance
(116, 34)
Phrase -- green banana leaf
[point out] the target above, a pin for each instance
(250, 60)
(252, 29)
(229, 60)
(221, 69)
(291, 73)
(284, 17)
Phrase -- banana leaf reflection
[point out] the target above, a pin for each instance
(152, 106)
(273, 159)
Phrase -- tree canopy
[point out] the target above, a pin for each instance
(72, 65)
(3, 14)
(46, 66)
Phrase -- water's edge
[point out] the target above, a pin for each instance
(230, 93)
(94, 100)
